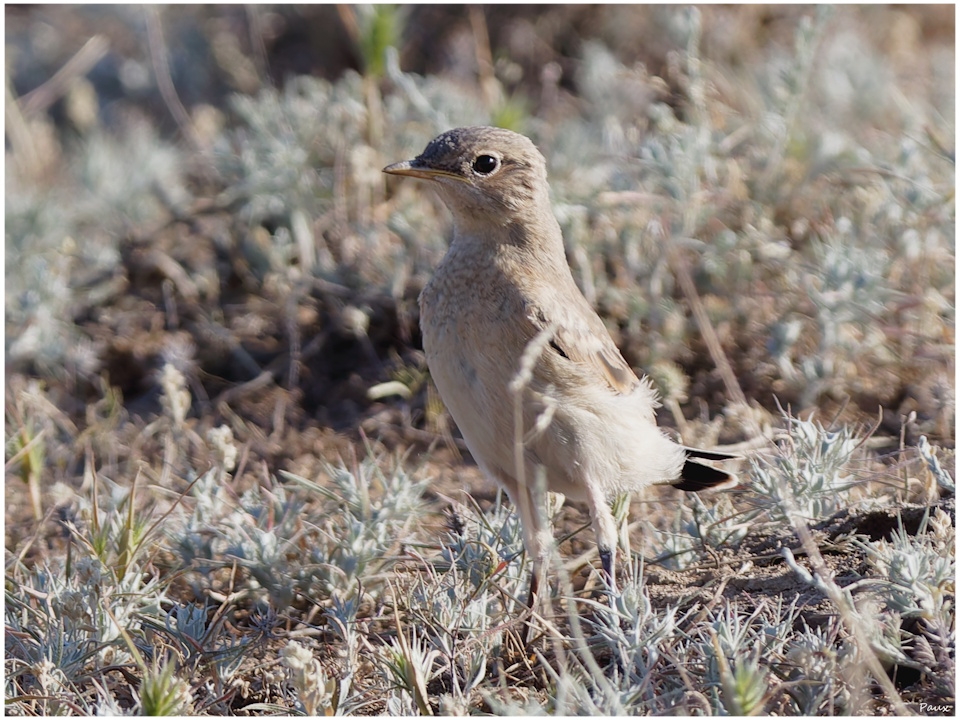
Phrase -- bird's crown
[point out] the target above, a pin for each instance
(479, 151)
(484, 170)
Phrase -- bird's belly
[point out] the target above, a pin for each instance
(472, 385)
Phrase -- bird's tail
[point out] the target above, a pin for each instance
(696, 476)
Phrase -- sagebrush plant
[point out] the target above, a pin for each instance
(695, 529)
(86, 606)
(465, 601)
(921, 574)
(812, 478)
(314, 693)
(814, 475)
(293, 547)
(284, 163)
(161, 692)
(63, 243)
(661, 179)
(184, 566)
(107, 603)
(632, 629)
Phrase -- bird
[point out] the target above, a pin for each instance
(522, 361)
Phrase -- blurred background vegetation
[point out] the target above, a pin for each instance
(202, 184)
(205, 266)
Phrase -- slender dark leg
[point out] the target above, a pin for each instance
(531, 601)
(533, 540)
(607, 560)
(606, 528)
(534, 587)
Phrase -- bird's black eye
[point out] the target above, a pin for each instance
(485, 164)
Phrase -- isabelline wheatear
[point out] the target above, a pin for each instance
(504, 294)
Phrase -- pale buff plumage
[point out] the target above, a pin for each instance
(504, 288)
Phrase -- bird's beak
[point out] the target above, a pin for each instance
(411, 168)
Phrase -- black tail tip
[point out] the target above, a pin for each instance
(695, 477)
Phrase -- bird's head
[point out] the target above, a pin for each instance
(483, 174)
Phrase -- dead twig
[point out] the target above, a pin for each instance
(710, 337)
(161, 70)
(42, 97)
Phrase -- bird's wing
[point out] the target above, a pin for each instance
(581, 337)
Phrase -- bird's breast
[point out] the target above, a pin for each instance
(473, 352)
(453, 323)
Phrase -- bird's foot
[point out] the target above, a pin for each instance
(607, 560)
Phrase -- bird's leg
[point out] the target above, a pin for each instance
(531, 600)
(535, 540)
(608, 558)
(606, 529)
(534, 586)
